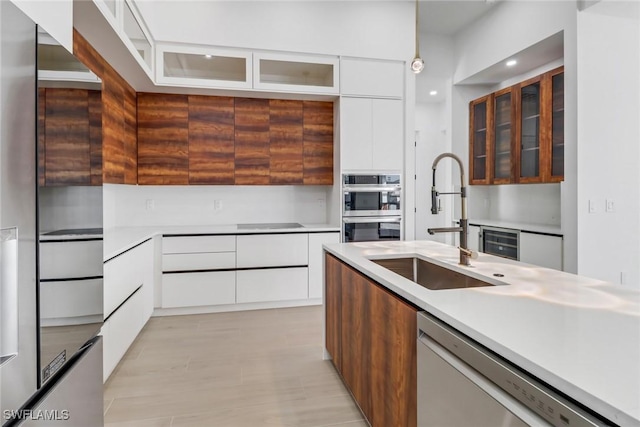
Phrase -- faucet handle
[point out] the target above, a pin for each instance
(471, 254)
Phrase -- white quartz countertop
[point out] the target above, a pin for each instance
(522, 226)
(119, 239)
(580, 335)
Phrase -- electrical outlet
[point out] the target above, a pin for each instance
(623, 277)
(217, 205)
(592, 206)
(150, 204)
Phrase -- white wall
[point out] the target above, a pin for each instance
(126, 205)
(70, 207)
(374, 29)
(510, 27)
(609, 141)
(55, 16)
(432, 140)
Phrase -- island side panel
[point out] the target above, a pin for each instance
(372, 332)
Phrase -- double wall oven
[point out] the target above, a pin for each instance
(371, 207)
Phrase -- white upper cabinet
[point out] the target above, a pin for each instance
(369, 77)
(295, 73)
(371, 134)
(198, 66)
(136, 36)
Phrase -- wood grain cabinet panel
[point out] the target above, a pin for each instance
(252, 153)
(333, 309)
(318, 142)
(119, 127)
(95, 136)
(371, 335)
(66, 129)
(130, 139)
(42, 92)
(163, 139)
(286, 136)
(211, 140)
(393, 366)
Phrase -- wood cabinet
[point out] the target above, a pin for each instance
(69, 137)
(317, 134)
(371, 336)
(243, 141)
(163, 139)
(118, 119)
(211, 140)
(252, 141)
(480, 131)
(522, 130)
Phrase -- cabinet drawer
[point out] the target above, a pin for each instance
(71, 259)
(70, 298)
(195, 244)
(202, 261)
(122, 276)
(276, 284)
(197, 289)
(271, 250)
(120, 331)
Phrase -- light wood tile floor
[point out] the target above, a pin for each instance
(250, 368)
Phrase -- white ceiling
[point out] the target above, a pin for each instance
(447, 17)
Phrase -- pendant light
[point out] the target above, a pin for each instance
(417, 64)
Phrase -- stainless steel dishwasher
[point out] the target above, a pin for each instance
(462, 384)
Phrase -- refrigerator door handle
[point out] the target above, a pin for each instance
(8, 294)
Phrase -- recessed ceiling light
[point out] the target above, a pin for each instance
(511, 62)
(208, 56)
(433, 92)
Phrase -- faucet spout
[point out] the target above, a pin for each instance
(464, 250)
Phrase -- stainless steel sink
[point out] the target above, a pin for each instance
(429, 275)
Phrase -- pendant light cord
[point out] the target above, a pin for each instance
(417, 38)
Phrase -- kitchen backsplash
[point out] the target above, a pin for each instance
(126, 205)
(531, 203)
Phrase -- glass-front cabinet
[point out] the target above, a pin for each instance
(516, 135)
(530, 138)
(557, 124)
(480, 131)
(504, 137)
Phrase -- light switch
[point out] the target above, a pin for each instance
(610, 206)
(592, 206)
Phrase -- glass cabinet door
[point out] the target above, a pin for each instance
(479, 140)
(557, 125)
(503, 137)
(530, 132)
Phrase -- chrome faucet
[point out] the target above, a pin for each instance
(465, 253)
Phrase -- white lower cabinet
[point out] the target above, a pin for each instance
(316, 261)
(198, 289)
(274, 284)
(128, 301)
(120, 330)
(198, 261)
(272, 250)
(541, 249)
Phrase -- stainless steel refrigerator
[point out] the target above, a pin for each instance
(73, 395)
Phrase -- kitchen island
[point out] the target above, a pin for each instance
(581, 336)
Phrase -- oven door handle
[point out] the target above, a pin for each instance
(372, 189)
(356, 220)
